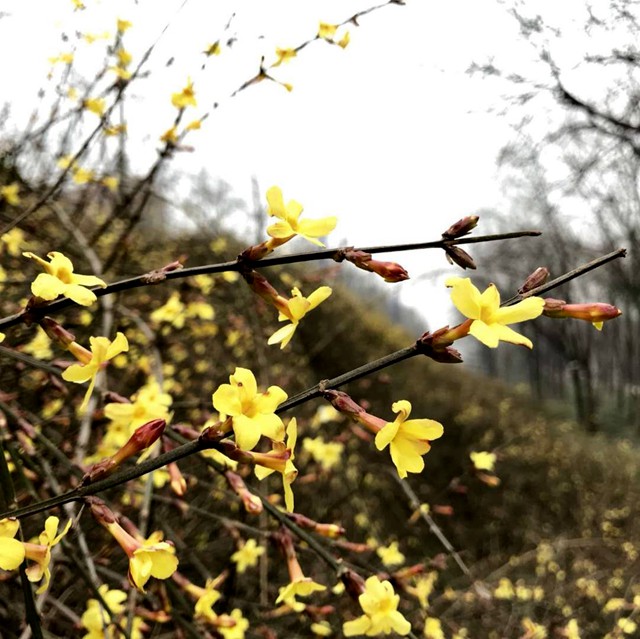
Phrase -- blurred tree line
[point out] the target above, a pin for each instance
(572, 170)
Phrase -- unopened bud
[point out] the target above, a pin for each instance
(159, 275)
(437, 345)
(353, 583)
(142, 438)
(537, 278)
(456, 255)
(177, 481)
(103, 514)
(56, 332)
(461, 227)
(595, 312)
(389, 271)
(343, 403)
(259, 284)
(252, 503)
(326, 530)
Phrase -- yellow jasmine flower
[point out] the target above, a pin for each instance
(39, 346)
(2, 336)
(572, 630)
(124, 57)
(433, 628)
(150, 557)
(82, 176)
(170, 135)
(483, 460)
(123, 25)
(236, 631)
(533, 630)
(289, 223)
(102, 350)
(284, 55)
(294, 310)
(321, 628)
(207, 598)
(66, 58)
(95, 618)
(408, 440)
(11, 550)
(60, 279)
(327, 454)
(300, 587)
(13, 240)
(489, 324)
(247, 555)
(390, 555)
(95, 105)
(213, 49)
(111, 182)
(290, 472)
(423, 588)
(343, 43)
(148, 403)
(172, 311)
(327, 31)
(628, 626)
(504, 590)
(11, 193)
(185, 98)
(41, 553)
(380, 606)
(253, 413)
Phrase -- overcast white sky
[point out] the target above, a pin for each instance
(389, 134)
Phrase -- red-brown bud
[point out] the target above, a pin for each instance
(353, 583)
(595, 312)
(456, 255)
(343, 403)
(103, 514)
(159, 275)
(142, 438)
(389, 271)
(56, 332)
(437, 345)
(252, 503)
(461, 227)
(537, 278)
(326, 530)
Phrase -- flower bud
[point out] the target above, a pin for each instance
(437, 345)
(596, 312)
(343, 403)
(389, 271)
(461, 227)
(56, 332)
(160, 274)
(353, 583)
(456, 255)
(326, 530)
(537, 278)
(103, 514)
(252, 503)
(142, 438)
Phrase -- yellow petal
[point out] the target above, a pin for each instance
(283, 335)
(47, 287)
(11, 553)
(317, 228)
(485, 333)
(465, 296)
(521, 312)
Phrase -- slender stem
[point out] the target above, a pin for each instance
(147, 279)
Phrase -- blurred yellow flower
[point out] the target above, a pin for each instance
(11, 550)
(390, 555)
(247, 555)
(10, 193)
(185, 98)
(379, 603)
(483, 460)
